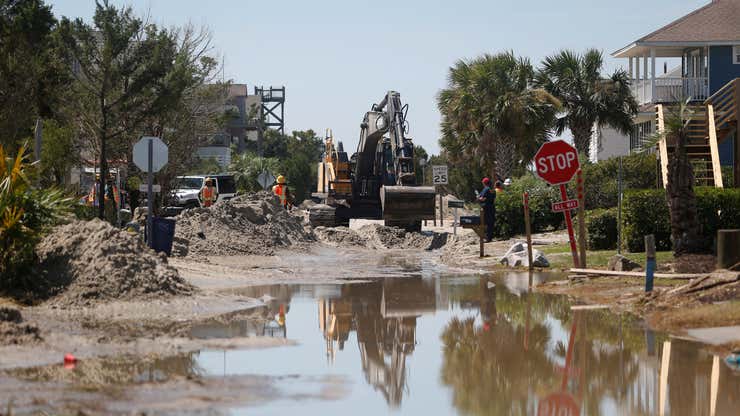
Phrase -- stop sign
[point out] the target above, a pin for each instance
(556, 162)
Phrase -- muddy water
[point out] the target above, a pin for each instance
(425, 343)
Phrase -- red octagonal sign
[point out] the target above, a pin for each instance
(556, 162)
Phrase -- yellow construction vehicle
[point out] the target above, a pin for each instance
(379, 180)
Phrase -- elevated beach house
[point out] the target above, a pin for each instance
(705, 47)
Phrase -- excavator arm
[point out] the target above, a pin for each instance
(379, 181)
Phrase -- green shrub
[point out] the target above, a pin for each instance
(716, 209)
(26, 213)
(510, 209)
(639, 171)
(601, 227)
(646, 212)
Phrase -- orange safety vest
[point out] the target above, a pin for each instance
(279, 190)
(208, 192)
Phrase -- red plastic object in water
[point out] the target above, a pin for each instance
(69, 361)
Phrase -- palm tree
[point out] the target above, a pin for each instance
(679, 188)
(588, 98)
(492, 116)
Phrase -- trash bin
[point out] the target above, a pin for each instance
(163, 235)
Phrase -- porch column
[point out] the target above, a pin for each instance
(632, 71)
(645, 75)
(638, 86)
(652, 73)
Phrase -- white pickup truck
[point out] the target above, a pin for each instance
(186, 189)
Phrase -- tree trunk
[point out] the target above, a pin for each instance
(103, 160)
(682, 201)
(504, 158)
(582, 137)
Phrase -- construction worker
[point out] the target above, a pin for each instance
(487, 200)
(208, 194)
(499, 187)
(282, 191)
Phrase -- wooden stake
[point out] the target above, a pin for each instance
(528, 227)
(569, 224)
(581, 219)
(650, 264)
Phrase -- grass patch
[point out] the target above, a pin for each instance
(720, 314)
(560, 257)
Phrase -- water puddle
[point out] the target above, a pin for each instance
(445, 345)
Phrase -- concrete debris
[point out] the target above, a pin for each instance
(517, 256)
(622, 264)
(252, 224)
(13, 331)
(91, 261)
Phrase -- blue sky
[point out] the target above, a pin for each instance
(337, 57)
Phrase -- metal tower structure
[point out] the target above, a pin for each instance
(272, 107)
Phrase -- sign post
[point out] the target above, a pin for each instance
(556, 163)
(455, 204)
(150, 155)
(439, 177)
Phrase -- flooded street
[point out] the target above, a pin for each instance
(426, 341)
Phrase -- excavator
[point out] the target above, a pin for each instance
(376, 182)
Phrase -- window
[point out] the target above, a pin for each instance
(736, 54)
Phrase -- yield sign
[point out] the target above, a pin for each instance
(159, 154)
(265, 179)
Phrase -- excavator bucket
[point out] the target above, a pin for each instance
(407, 203)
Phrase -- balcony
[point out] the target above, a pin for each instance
(670, 89)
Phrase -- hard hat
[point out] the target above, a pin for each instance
(486, 181)
(281, 179)
(209, 180)
(507, 181)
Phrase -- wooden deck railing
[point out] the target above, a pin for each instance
(725, 103)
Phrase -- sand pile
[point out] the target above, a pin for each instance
(461, 248)
(13, 330)
(252, 224)
(376, 236)
(90, 261)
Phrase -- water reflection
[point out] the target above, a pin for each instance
(457, 344)
(383, 314)
(501, 349)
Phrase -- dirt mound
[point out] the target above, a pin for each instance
(460, 248)
(375, 236)
(252, 224)
(13, 331)
(90, 261)
(339, 237)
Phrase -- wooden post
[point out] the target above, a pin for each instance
(650, 263)
(728, 248)
(435, 211)
(441, 212)
(581, 218)
(569, 224)
(528, 228)
(480, 234)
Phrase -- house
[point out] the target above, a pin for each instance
(705, 45)
(239, 129)
(244, 125)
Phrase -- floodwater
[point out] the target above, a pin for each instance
(449, 344)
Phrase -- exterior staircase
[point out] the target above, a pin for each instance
(710, 123)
